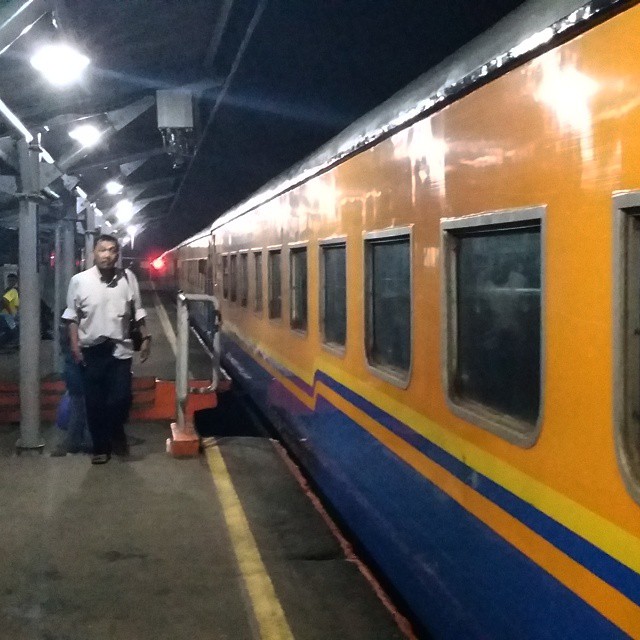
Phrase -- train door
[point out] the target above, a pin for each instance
(210, 286)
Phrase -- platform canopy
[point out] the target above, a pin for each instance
(269, 81)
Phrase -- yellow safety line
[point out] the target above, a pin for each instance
(268, 613)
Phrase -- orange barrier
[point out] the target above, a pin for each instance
(153, 400)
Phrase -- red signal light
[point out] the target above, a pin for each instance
(158, 263)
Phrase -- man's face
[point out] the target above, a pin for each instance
(105, 254)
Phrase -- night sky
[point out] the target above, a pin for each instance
(310, 69)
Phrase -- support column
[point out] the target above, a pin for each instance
(30, 437)
(89, 235)
(67, 260)
(68, 253)
(58, 298)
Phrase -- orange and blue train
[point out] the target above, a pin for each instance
(440, 311)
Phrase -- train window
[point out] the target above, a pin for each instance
(627, 338)
(244, 279)
(493, 274)
(202, 266)
(257, 256)
(275, 284)
(298, 288)
(333, 296)
(388, 304)
(225, 277)
(233, 278)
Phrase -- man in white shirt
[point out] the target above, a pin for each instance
(100, 303)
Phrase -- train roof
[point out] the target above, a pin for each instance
(533, 27)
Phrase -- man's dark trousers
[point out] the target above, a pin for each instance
(108, 396)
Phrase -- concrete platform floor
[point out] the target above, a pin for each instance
(143, 549)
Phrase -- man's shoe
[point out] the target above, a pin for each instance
(100, 458)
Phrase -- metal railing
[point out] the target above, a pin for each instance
(182, 353)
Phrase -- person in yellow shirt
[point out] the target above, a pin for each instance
(11, 298)
(10, 307)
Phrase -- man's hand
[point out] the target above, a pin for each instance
(74, 343)
(145, 349)
(76, 354)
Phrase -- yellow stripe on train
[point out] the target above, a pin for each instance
(610, 538)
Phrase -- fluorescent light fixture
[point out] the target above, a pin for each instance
(113, 188)
(124, 211)
(60, 64)
(86, 134)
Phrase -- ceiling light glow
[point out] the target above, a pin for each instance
(124, 211)
(113, 188)
(86, 134)
(60, 64)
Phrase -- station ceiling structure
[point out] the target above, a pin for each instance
(269, 80)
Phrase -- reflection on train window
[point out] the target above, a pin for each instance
(233, 278)
(494, 324)
(244, 279)
(275, 284)
(627, 338)
(225, 277)
(388, 303)
(258, 271)
(298, 284)
(333, 299)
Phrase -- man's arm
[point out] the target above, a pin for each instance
(6, 305)
(74, 342)
(70, 316)
(145, 350)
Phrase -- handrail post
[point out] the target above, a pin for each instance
(182, 361)
(184, 440)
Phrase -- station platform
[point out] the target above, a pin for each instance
(227, 545)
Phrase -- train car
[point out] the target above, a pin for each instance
(440, 309)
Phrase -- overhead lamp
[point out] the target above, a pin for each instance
(113, 188)
(60, 64)
(124, 211)
(86, 134)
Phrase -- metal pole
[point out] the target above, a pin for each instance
(58, 299)
(16, 18)
(182, 361)
(89, 236)
(30, 438)
(68, 254)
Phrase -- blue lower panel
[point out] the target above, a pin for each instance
(458, 577)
